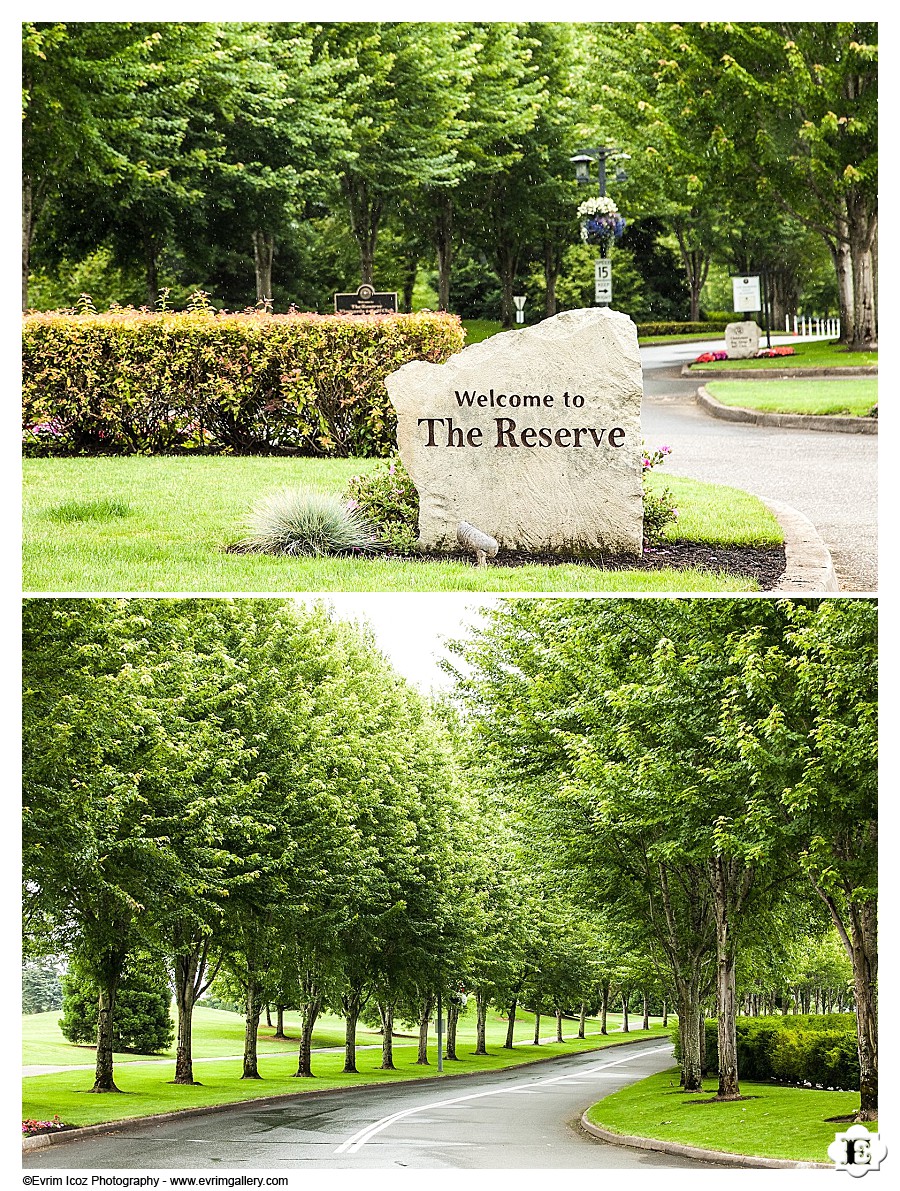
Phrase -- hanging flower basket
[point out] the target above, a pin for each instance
(601, 222)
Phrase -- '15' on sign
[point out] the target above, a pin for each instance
(603, 280)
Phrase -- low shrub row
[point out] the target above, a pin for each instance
(134, 382)
(815, 1049)
(712, 328)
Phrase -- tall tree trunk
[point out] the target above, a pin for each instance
(696, 267)
(551, 273)
(862, 225)
(263, 255)
(452, 1020)
(310, 1005)
(729, 1088)
(559, 1017)
(481, 1008)
(190, 970)
(859, 935)
(351, 1005)
(279, 1022)
(625, 1029)
(104, 1080)
(510, 1025)
(151, 267)
(843, 269)
(537, 1027)
(409, 284)
(443, 242)
(665, 1013)
(27, 233)
(254, 1008)
(424, 1019)
(581, 1017)
(365, 218)
(386, 1013)
(268, 1015)
(690, 1026)
(645, 1025)
(604, 1005)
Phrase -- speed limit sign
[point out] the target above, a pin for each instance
(603, 280)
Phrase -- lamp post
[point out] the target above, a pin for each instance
(582, 162)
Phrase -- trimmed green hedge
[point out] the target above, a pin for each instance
(712, 327)
(133, 382)
(803, 1049)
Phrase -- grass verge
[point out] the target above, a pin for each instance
(773, 1122)
(145, 1090)
(160, 524)
(851, 396)
(219, 1033)
(817, 354)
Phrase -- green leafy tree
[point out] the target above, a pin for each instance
(143, 1020)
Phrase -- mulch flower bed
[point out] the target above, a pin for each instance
(33, 1128)
(765, 564)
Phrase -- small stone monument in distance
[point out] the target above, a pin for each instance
(533, 437)
(742, 341)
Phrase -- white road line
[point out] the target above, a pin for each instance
(353, 1144)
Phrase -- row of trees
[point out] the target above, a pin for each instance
(191, 150)
(249, 794)
(706, 768)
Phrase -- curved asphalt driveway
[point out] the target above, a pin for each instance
(522, 1119)
(831, 478)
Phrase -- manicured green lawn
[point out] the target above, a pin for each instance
(146, 1091)
(853, 396)
(773, 1122)
(160, 524)
(820, 353)
(216, 1033)
(480, 328)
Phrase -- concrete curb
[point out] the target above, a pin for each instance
(776, 373)
(808, 563)
(42, 1140)
(740, 413)
(683, 1151)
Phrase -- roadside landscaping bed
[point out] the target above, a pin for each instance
(771, 1121)
(818, 354)
(162, 523)
(853, 397)
(144, 1091)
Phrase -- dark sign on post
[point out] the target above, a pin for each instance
(365, 301)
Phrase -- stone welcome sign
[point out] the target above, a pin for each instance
(742, 341)
(532, 436)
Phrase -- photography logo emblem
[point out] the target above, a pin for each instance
(857, 1151)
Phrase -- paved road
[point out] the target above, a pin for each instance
(510, 1119)
(831, 478)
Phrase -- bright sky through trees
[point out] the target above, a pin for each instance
(411, 628)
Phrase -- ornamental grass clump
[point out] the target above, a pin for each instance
(298, 521)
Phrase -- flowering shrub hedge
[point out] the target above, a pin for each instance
(135, 382)
(770, 353)
(818, 1050)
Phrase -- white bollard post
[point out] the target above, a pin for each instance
(795, 324)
